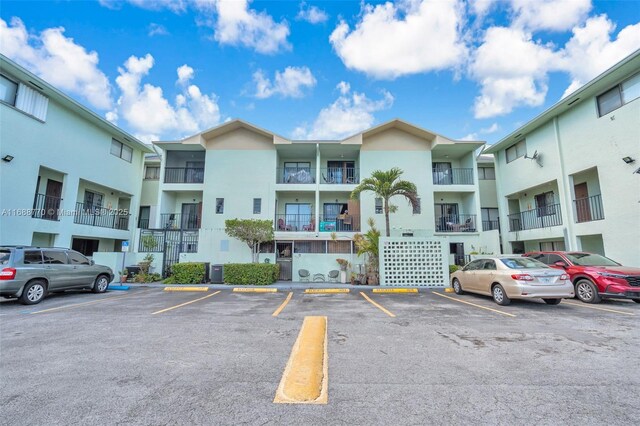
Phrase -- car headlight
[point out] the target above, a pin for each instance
(610, 275)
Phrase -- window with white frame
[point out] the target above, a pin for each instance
(516, 151)
(619, 95)
(8, 90)
(552, 246)
(121, 150)
(23, 97)
(257, 205)
(219, 205)
(486, 173)
(152, 173)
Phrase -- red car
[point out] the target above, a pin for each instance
(595, 277)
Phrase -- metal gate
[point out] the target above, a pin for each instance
(284, 259)
(176, 242)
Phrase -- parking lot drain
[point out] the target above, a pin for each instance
(327, 290)
(305, 377)
(395, 290)
(255, 290)
(186, 289)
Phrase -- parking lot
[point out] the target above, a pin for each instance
(149, 356)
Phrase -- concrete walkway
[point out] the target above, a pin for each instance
(280, 285)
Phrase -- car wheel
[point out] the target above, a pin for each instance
(457, 287)
(499, 295)
(552, 301)
(587, 292)
(33, 293)
(101, 285)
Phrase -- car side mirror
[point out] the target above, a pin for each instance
(92, 262)
(560, 264)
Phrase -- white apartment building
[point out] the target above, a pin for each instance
(68, 177)
(570, 178)
(238, 170)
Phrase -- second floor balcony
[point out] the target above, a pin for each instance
(489, 225)
(180, 221)
(46, 207)
(457, 223)
(588, 209)
(86, 214)
(452, 176)
(340, 175)
(308, 223)
(540, 217)
(184, 175)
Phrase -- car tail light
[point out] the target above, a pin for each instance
(522, 277)
(8, 273)
(564, 277)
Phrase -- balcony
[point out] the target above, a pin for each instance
(541, 217)
(184, 175)
(588, 209)
(456, 223)
(490, 225)
(295, 223)
(453, 176)
(46, 207)
(101, 217)
(293, 175)
(143, 223)
(340, 176)
(340, 223)
(180, 221)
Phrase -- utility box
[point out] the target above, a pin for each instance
(217, 274)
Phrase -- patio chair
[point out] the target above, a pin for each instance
(329, 179)
(282, 226)
(304, 275)
(311, 226)
(333, 276)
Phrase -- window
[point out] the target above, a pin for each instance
(55, 258)
(219, 205)
(490, 218)
(378, 205)
(552, 246)
(257, 205)
(152, 173)
(516, 151)
(121, 150)
(545, 204)
(486, 173)
(473, 266)
(77, 259)
(489, 265)
(32, 257)
(619, 95)
(553, 258)
(92, 200)
(417, 207)
(522, 263)
(8, 90)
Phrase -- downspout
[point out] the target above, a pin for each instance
(569, 233)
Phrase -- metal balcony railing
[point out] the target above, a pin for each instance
(180, 221)
(340, 175)
(301, 175)
(588, 209)
(183, 175)
(541, 217)
(488, 225)
(453, 176)
(456, 223)
(98, 216)
(143, 223)
(339, 223)
(295, 223)
(46, 207)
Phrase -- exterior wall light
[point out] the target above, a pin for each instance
(627, 160)
(7, 158)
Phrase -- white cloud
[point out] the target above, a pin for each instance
(176, 6)
(347, 115)
(553, 15)
(481, 7)
(312, 14)
(410, 37)
(58, 60)
(156, 29)
(484, 131)
(288, 83)
(591, 51)
(147, 111)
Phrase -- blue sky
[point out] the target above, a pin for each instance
(319, 70)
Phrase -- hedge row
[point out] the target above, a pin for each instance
(186, 273)
(251, 273)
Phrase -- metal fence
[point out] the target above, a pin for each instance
(340, 175)
(180, 221)
(46, 207)
(456, 223)
(184, 175)
(588, 209)
(101, 217)
(340, 223)
(295, 223)
(453, 176)
(488, 225)
(541, 217)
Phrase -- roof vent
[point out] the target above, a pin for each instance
(36, 85)
(573, 101)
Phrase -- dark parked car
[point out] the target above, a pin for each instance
(29, 273)
(595, 277)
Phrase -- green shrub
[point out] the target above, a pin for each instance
(147, 278)
(186, 273)
(251, 273)
(453, 268)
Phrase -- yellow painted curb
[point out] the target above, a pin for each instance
(448, 290)
(327, 290)
(305, 378)
(255, 290)
(186, 289)
(395, 290)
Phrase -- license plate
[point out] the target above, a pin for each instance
(545, 280)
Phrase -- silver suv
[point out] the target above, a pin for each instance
(29, 273)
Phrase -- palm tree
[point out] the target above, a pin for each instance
(386, 185)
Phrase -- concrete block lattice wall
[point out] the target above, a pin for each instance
(413, 262)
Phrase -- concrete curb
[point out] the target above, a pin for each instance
(298, 286)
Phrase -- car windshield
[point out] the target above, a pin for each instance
(590, 259)
(4, 257)
(522, 263)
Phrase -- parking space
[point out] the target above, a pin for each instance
(150, 356)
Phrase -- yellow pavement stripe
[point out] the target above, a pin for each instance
(395, 290)
(377, 305)
(180, 288)
(477, 306)
(305, 378)
(185, 303)
(449, 290)
(255, 290)
(81, 304)
(281, 307)
(327, 290)
(597, 307)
